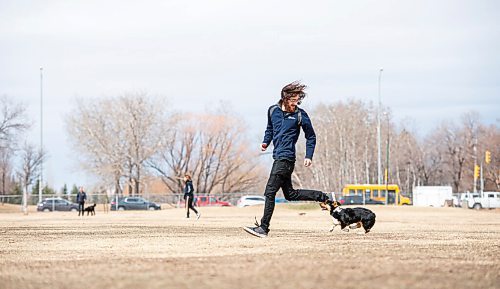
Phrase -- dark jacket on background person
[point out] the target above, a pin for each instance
(283, 129)
(188, 189)
(81, 197)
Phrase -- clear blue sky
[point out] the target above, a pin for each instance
(440, 58)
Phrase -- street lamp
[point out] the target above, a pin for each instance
(40, 183)
(367, 142)
(379, 168)
(386, 176)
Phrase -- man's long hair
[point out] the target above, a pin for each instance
(293, 89)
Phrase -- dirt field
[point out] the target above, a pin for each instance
(407, 248)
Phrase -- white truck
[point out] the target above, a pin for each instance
(432, 196)
(487, 200)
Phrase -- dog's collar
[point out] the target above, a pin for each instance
(337, 209)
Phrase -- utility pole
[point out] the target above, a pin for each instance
(487, 161)
(474, 148)
(379, 165)
(481, 182)
(40, 181)
(387, 162)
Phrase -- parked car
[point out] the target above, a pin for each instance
(212, 201)
(280, 200)
(251, 200)
(134, 203)
(56, 204)
(358, 200)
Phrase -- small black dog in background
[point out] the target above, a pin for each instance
(352, 217)
(90, 210)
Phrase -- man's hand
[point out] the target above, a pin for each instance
(263, 147)
(307, 162)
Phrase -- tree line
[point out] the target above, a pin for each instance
(347, 150)
(16, 176)
(128, 140)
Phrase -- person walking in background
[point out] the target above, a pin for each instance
(284, 121)
(81, 196)
(189, 196)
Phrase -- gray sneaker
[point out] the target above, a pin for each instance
(256, 231)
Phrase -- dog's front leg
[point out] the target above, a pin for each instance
(335, 224)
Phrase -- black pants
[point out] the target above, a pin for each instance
(81, 207)
(190, 204)
(281, 177)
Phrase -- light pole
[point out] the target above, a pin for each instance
(386, 114)
(474, 148)
(379, 165)
(40, 182)
(367, 141)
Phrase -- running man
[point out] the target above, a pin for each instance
(284, 121)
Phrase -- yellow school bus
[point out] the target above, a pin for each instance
(377, 192)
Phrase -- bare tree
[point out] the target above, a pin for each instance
(225, 164)
(489, 140)
(345, 148)
(13, 123)
(453, 152)
(177, 156)
(97, 139)
(406, 153)
(213, 151)
(116, 136)
(5, 170)
(31, 160)
(346, 151)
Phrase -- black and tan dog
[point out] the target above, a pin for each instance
(352, 217)
(90, 210)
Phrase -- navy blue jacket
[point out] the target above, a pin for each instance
(283, 130)
(188, 189)
(81, 197)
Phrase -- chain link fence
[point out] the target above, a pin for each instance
(170, 200)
